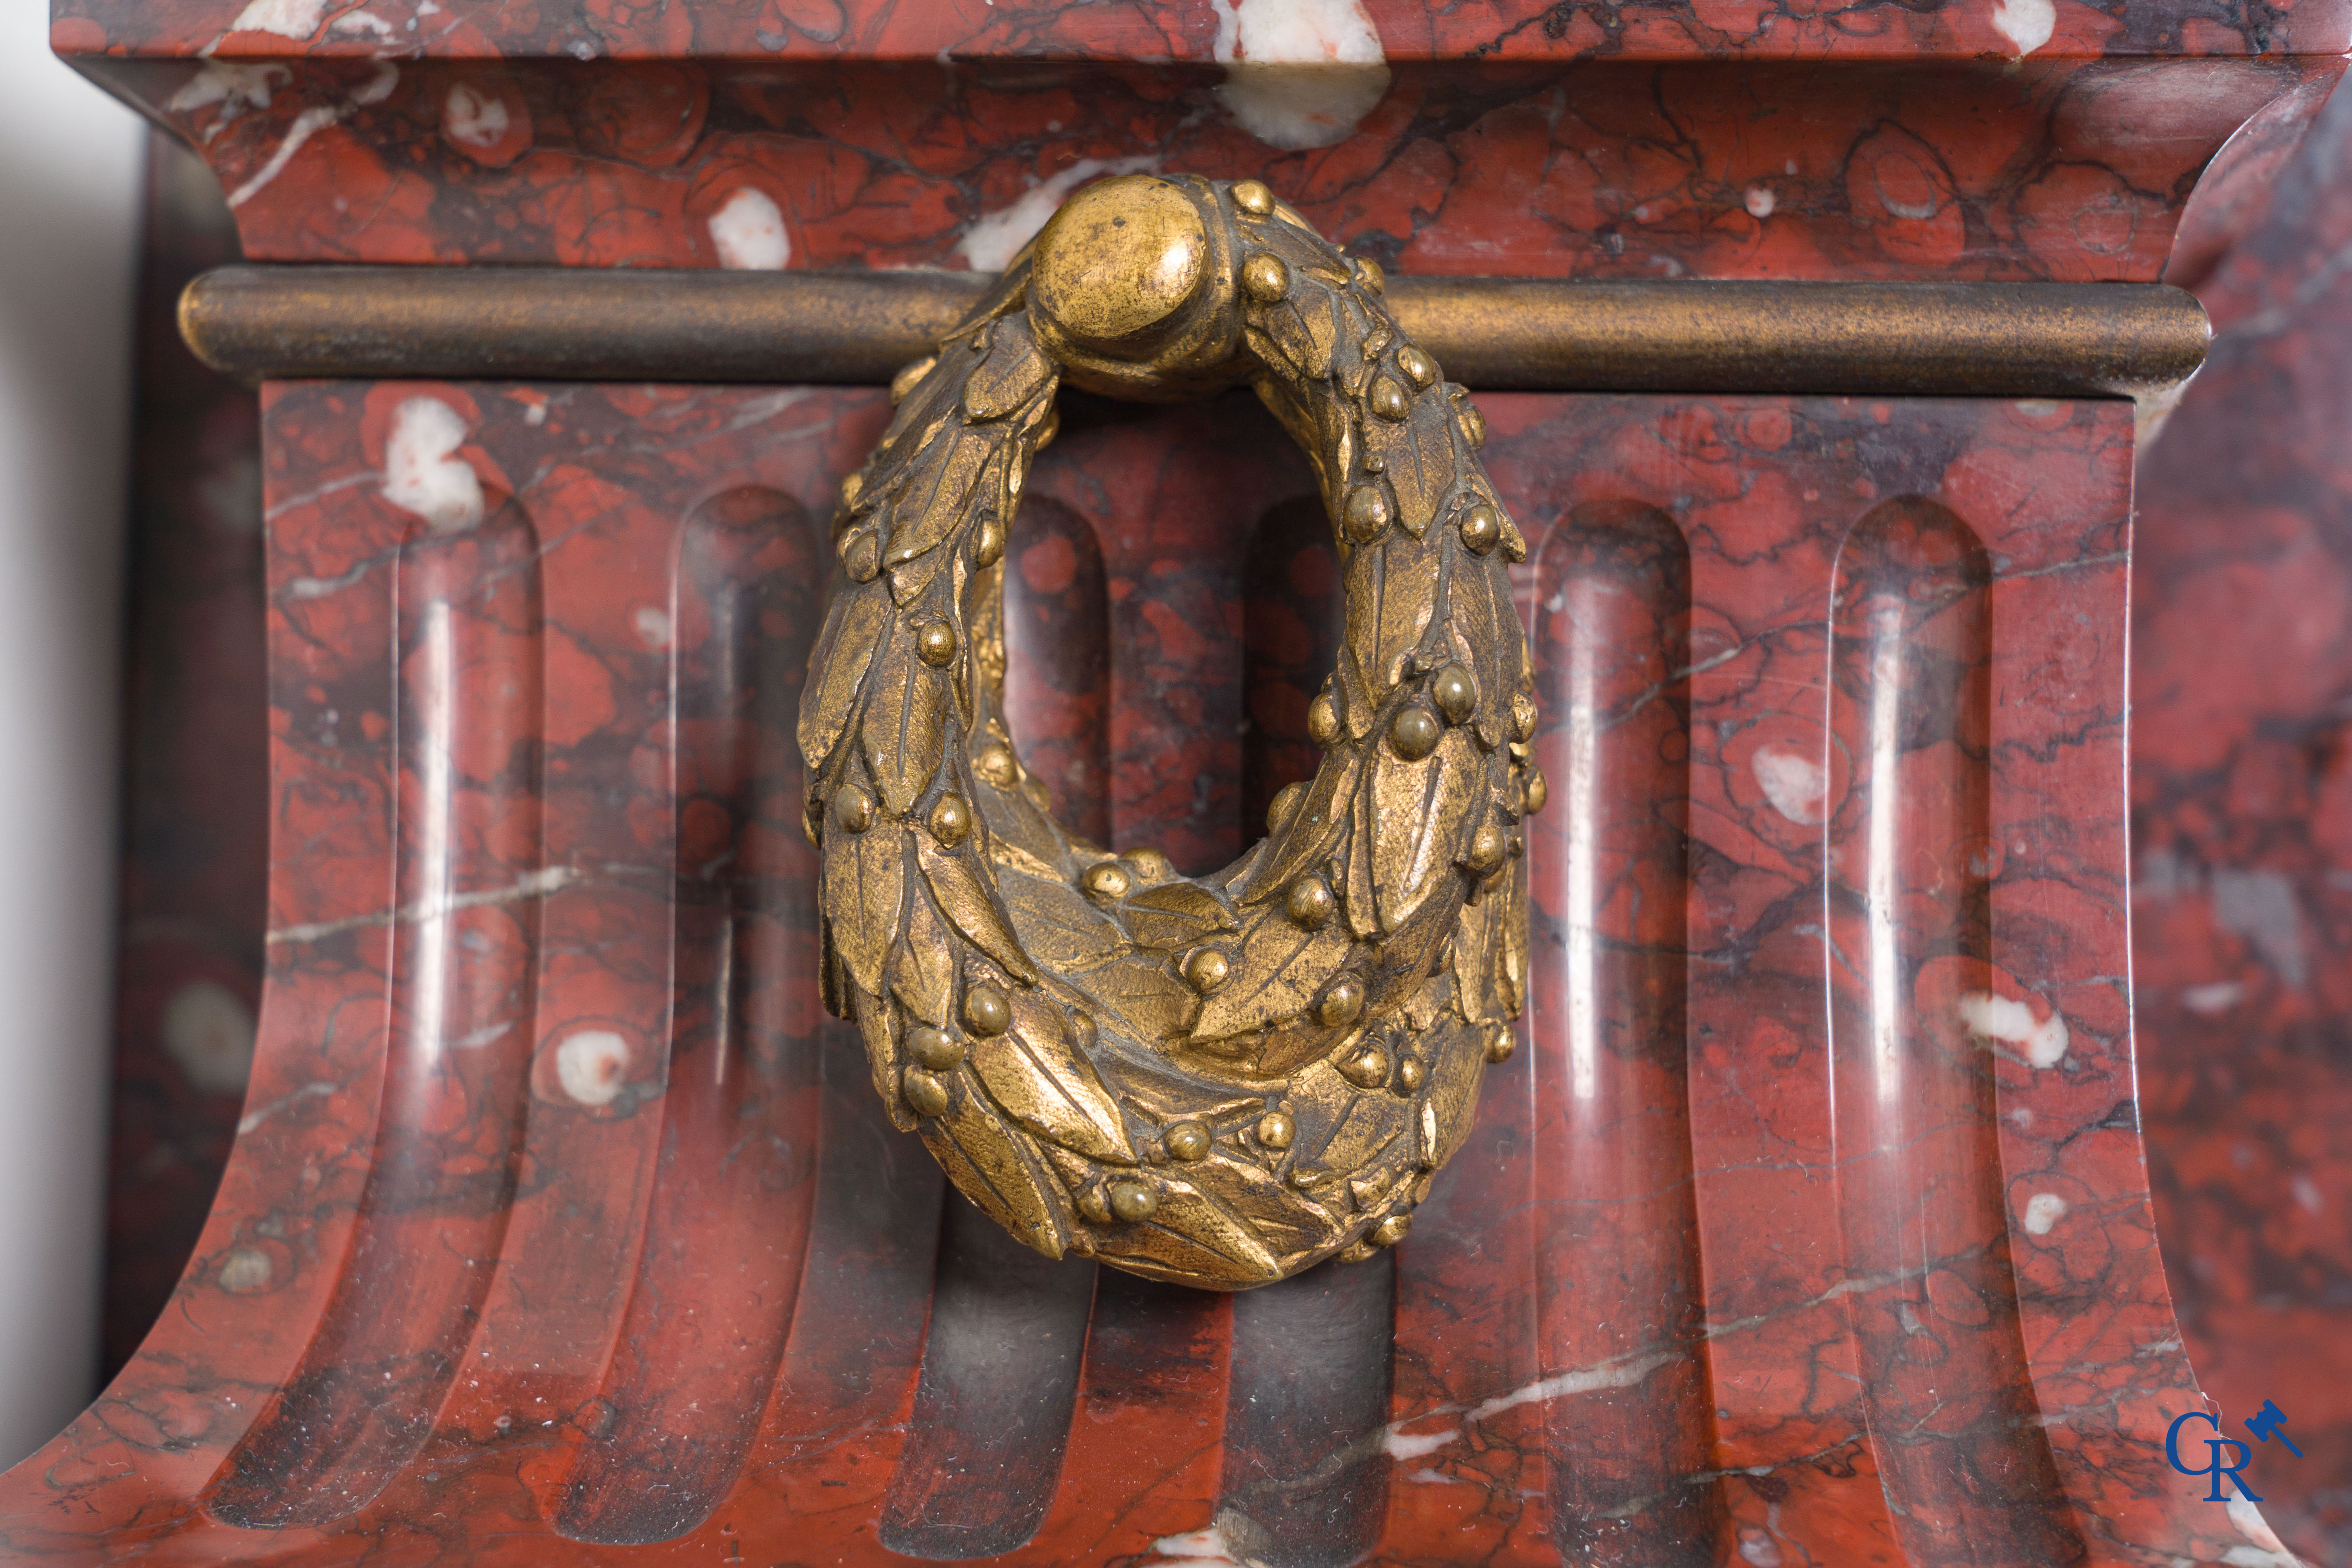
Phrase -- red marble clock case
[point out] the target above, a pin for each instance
(1809, 1226)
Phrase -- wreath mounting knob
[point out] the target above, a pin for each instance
(1115, 262)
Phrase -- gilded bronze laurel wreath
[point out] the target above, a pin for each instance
(1220, 1080)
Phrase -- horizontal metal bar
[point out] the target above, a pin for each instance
(2013, 340)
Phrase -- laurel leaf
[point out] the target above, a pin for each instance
(1277, 968)
(983, 1156)
(832, 983)
(1193, 1237)
(1361, 342)
(1311, 835)
(922, 966)
(1417, 456)
(913, 579)
(1283, 1220)
(1484, 630)
(1475, 963)
(1457, 1065)
(1047, 1084)
(1013, 371)
(1512, 948)
(1358, 706)
(1360, 642)
(1302, 330)
(1135, 995)
(918, 416)
(982, 628)
(1303, 421)
(1431, 1001)
(947, 471)
(969, 905)
(904, 727)
(1407, 589)
(1416, 807)
(1365, 1125)
(865, 888)
(1058, 925)
(852, 628)
(1175, 915)
(1014, 823)
(1357, 895)
(872, 1022)
(1010, 858)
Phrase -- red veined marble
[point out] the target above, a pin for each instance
(195, 848)
(2241, 787)
(1714, 139)
(561, 1218)
(1164, 32)
(1810, 1224)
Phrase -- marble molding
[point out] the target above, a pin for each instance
(1508, 138)
(556, 1196)
(2242, 795)
(195, 831)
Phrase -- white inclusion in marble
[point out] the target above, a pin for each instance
(208, 1031)
(245, 1270)
(1757, 1546)
(378, 85)
(2026, 24)
(473, 118)
(591, 1066)
(236, 87)
(306, 124)
(2042, 1041)
(2267, 1552)
(748, 232)
(287, 18)
(2212, 1000)
(1410, 1446)
(1202, 1548)
(422, 472)
(375, 90)
(1760, 202)
(2043, 1211)
(995, 238)
(1622, 1373)
(653, 626)
(1797, 786)
(1299, 73)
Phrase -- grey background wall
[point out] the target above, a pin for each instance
(70, 173)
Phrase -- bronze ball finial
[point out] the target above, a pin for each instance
(1132, 290)
(1119, 260)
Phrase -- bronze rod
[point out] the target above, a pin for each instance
(2009, 339)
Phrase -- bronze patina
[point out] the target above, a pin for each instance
(1220, 1080)
(1941, 339)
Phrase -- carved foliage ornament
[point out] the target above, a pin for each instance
(1220, 1079)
